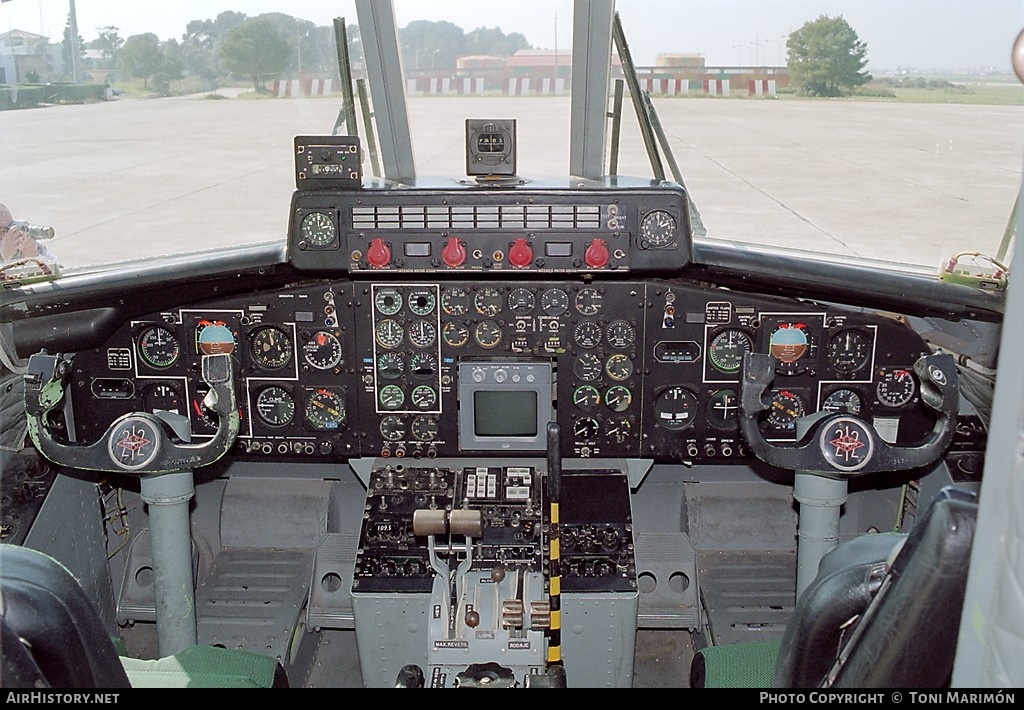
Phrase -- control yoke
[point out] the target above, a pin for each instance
(137, 443)
(843, 444)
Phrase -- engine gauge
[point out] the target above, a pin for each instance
(675, 408)
(617, 429)
(422, 333)
(896, 387)
(726, 349)
(422, 301)
(554, 301)
(158, 346)
(163, 396)
(390, 365)
(389, 333)
(785, 409)
(392, 427)
(387, 301)
(488, 302)
(323, 350)
(455, 301)
(620, 334)
(275, 406)
(587, 334)
(588, 301)
(619, 367)
(521, 301)
(586, 397)
(487, 334)
(842, 400)
(391, 397)
(658, 228)
(587, 367)
(271, 347)
(318, 229)
(848, 351)
(423, 366)
(455, 334)
(423, 397)
(325, 409)
(618, 398)
(424, 428)
(585, 428)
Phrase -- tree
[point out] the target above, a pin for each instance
(826, 57)
(430, 45)
(108, 42)
(172, 66)
(256, 50)
(141, 56)
(491, 40)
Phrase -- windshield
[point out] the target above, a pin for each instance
(171, 129)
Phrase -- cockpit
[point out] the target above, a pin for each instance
(489, 430)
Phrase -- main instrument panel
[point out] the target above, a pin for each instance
(403, 367)
(559, 307)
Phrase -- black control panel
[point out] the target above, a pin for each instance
(637, 228)
(335, 369)
(596, 531)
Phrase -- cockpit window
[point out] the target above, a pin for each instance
(843, 129)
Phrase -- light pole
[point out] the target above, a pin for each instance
(778, 48)
(76, 72)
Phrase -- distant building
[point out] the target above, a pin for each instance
(23, 52)
(543, 71)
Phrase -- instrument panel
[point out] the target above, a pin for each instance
(403, 367)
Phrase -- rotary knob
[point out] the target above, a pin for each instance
(378, 254)
(520, 254)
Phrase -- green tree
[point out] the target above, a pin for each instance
(200, 42)
(256, 50)
(172, 66)
(430, 45)
(491, 40)
(141, 56)
(826, 57)
(108, 42)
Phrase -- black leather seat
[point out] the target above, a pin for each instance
(883, 611)
(52, 637)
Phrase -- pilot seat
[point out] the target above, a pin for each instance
(883, 611)
(53, 638)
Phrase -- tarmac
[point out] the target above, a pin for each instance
(902, 182)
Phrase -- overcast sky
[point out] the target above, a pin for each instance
(907, 33)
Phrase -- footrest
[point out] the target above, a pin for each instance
(252, 598)
(330, 591)
(666, 571)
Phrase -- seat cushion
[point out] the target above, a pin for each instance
(204, 667)
(741, 665)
